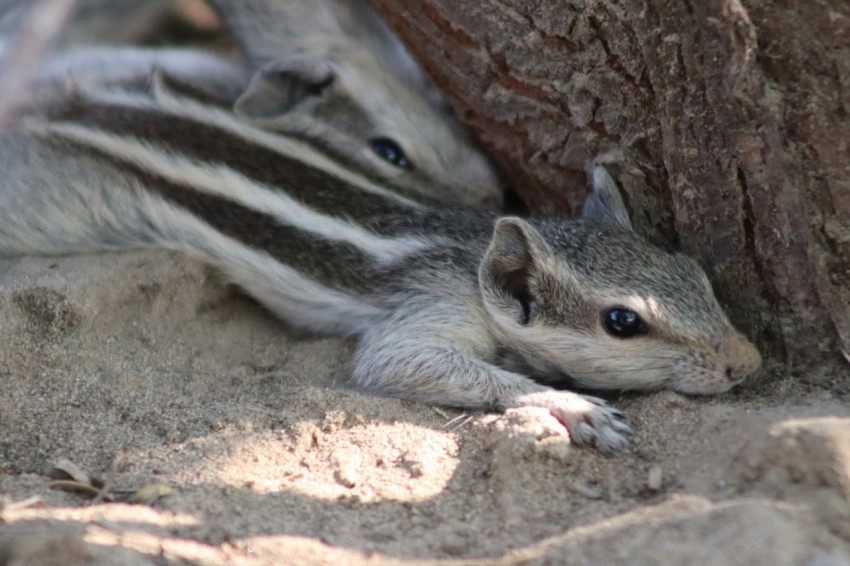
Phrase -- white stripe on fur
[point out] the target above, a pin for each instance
(225, 183)
(205, 114)
(296, 298)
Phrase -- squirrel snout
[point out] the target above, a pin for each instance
(742, 358)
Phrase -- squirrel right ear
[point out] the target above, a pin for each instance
(283, 84)
(606, 204)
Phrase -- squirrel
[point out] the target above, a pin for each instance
(449, 304)
(326, 71)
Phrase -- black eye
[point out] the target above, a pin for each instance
(391, 152)
(623, 323)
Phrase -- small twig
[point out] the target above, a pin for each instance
(106, 488)
(20, 60)
(77, 487)
(460, 421)
(441, 412)
(454, 423)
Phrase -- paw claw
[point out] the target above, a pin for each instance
(591, 421)
(623, 428)
(597, 401)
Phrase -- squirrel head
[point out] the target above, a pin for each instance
(365, 115)
(589, 299)
(332, 73)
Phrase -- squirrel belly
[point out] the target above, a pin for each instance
(449, 304)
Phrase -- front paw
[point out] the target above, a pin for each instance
(590, 421)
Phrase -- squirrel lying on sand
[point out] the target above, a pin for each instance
(449, 304)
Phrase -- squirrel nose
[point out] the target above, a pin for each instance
(742, 358)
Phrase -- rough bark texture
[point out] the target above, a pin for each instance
(731, 121)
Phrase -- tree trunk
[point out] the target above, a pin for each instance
(731, 121)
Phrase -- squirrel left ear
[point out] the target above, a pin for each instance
(606, 204)
(283, 84)
(511, 265)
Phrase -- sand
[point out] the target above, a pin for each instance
(145, 369)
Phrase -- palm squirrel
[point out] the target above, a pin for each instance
(326, 71)
(448, 304)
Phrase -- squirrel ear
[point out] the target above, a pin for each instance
(606, 204)
(283, 84)
(510, 266)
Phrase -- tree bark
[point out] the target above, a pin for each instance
(731, 120)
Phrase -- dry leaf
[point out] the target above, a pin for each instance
(64, 469)
(150, 493)
(77, 487)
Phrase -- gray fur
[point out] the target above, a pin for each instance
(449, 305)
(135, 68)
(96, 22)
(370, 88)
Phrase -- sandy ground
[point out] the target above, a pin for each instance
(143, 368)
